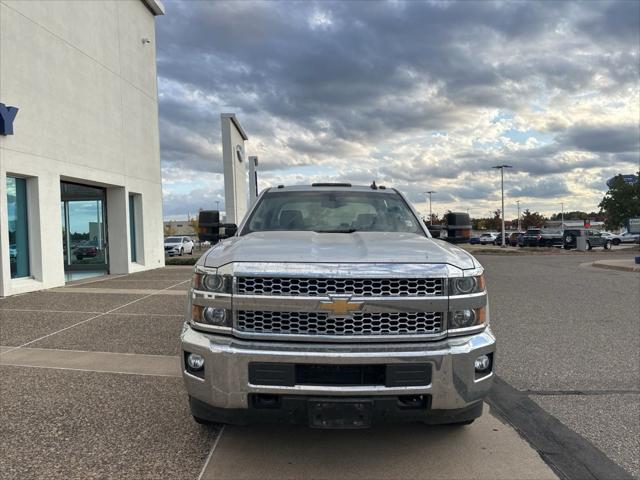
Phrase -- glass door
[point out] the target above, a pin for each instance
(84, 229)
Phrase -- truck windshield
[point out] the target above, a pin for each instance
(332, 212)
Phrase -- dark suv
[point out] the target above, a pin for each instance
(594, 239)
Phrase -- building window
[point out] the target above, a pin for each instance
(18, 227)
(132, 228)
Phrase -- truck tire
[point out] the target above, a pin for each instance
(616, 241)
(589, 247)
(607, 245)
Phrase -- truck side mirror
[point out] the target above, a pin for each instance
(228, 230)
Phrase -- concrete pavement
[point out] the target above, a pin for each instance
(487, 449)
(91, 387)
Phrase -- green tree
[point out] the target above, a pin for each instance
(621, 202)
(531, 219)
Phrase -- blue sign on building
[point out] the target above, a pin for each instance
(7, 116)
(630, 179)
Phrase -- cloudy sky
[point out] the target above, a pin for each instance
(416, 95)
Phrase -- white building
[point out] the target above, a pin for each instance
(80, 185)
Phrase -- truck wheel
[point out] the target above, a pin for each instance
(616, 241)
(607, 245)
(589, 247)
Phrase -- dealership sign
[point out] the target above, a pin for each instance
(630, 179)
(7, 116)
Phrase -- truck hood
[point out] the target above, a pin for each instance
(357, 247)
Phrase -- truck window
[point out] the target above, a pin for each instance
(334, 211)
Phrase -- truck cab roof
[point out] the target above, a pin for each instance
(344, 187)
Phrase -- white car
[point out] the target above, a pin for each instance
(178, 246)
(625, 238)
(488, 237)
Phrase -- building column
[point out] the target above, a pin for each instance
(117, 230)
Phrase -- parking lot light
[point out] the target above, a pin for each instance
(502, 167)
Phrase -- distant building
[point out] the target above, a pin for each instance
(179, 227)
(574, 224)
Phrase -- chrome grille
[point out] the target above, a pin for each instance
(319, 323)
(365, 287)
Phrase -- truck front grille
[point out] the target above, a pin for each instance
(359, 324)
(365, 287)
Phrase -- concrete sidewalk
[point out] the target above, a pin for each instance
(624, 264)
(487, 449)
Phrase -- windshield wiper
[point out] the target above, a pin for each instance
(345, 230)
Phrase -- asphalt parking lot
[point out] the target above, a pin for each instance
(90, 387)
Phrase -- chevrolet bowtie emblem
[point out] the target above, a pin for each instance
(340, 307)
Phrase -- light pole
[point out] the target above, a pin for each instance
(502, 167)
(562, 215)
(518, 202)
(430, 214)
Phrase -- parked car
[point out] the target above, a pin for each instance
(536, 237)
(178, 246)
(86, 249)
(498, 240)
(474, 241)
(514, 238)
(488, 237)
(594, 239)
(626, 238)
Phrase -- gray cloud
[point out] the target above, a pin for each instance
(606, 139)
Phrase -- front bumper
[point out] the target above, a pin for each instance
(454, 385)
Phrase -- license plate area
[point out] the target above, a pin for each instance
(339, 413)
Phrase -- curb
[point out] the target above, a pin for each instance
(621, 268)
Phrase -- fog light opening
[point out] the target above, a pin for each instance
(214, 316)
(195, 362)
(482, 364)
(412, 401)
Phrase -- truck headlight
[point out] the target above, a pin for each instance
(466, 285)
(467, 318)
(218, 317)
(211, 282)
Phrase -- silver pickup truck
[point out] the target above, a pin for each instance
(332, 306)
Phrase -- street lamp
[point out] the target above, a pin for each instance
(562, 215)
(519, 228)
(502, 167)
(430, 214)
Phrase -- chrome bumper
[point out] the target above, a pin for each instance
(226, 374)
